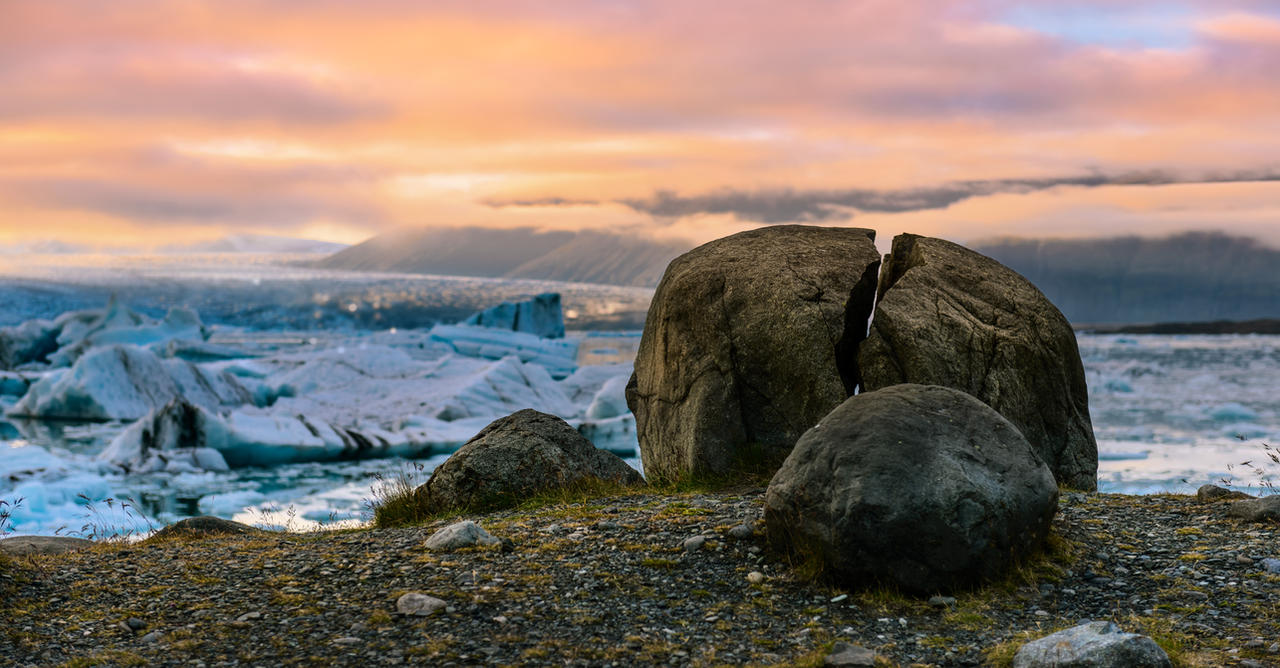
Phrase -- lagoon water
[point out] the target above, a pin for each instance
(1170, 412)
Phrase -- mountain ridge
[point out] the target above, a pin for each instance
(587, 256)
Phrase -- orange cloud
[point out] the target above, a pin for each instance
(138, 120)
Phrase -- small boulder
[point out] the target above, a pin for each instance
(1211, 493)
(419, 604)
(19, 546)
(459, 535)
(1265, 509)
(949, 316)
(203, 526)
(922, 486)
(844, 654)
(749, 340)
(517, 456)
(1092, 645)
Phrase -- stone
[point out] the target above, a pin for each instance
(1265, 509)
(949, 316)
(1211, 493)
(844, 654)
(154, 636)
(1092, 645)
(755, 577)
(942, 602)
(1271, 566)
(518, 456)
(742, 531)
(694, 544)
(419, 604)
(459, 535)
(249, 616)
(749, 340)
(922, 486)
(19, 546)
(202, 526)
(135, 624)
(542, 316)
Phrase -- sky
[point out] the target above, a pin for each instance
(145, 123)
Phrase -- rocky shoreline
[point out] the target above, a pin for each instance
(640, 579)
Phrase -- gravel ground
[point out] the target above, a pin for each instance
(617, 581)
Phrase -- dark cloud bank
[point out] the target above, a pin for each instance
(809, 206)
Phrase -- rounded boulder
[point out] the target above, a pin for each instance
(920, 486)
(518, 456)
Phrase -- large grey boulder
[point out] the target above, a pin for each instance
(518, 456)
(949, 316)
(921, 486)
(749, 341)
(1092, 645)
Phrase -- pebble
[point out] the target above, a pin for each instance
(460, 534)
(694, 544)
(755, 577)
(135, 624)
(1271, 565)
(942, 602)
(419, 604)
(348, 640)
(249, 616)
(742, 532)
(844, 654)
(154, 636)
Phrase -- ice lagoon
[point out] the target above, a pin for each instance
(305, 387)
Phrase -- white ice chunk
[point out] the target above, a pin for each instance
(610, 401)
(124, 383)
(558, 356)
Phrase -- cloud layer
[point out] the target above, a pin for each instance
(341, 120)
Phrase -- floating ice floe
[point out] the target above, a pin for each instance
(1232, 412)
(181, 437)
(125, 382)
(558, 356)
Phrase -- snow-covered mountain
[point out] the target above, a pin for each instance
(582, 257)
(257, 243)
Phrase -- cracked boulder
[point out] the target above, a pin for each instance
(920, 486)
(749, 341)
(952, 317)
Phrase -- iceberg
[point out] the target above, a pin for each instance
(181, 437)
(541, 316)
(32, 341)
(125, 382)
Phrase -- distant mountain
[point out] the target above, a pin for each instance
(585, 257)
(1191, 277)
(46, 247)
(257, 243)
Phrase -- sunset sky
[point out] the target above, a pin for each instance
(138, 122)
